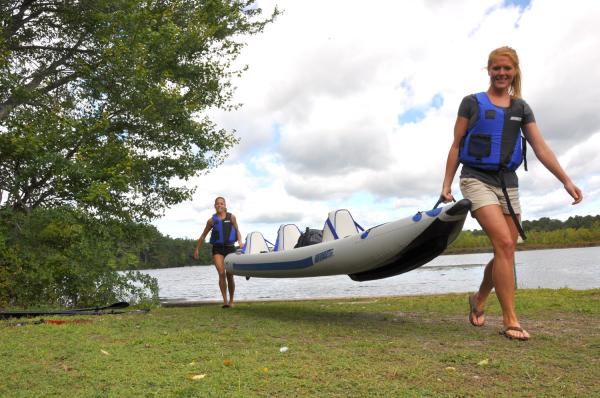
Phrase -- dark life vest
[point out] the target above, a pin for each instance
(223, 232)
(495, 141)
(309, 237)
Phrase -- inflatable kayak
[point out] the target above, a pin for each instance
(346, 248)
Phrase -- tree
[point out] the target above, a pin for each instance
(102, 101)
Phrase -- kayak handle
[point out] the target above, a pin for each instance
(441, 200)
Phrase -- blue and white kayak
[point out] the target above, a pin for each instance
(382, 251)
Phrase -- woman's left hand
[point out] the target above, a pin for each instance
(574, 191)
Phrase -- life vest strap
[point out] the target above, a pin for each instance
(524, 146)
(510, 208)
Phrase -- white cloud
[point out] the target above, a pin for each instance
(328, 81)
(560, 79)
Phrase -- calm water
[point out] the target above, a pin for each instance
(573, 268)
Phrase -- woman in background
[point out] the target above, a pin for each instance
(225, 232)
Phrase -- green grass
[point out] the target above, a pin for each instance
(387, 347)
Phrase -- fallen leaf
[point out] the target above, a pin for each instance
(450, 368)
(483, 362)
(227, 362)
(198, 377)
(193, 363)
(266, 370)
(104, 352)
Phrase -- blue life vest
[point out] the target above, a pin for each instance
(495, 141)
(223, 231)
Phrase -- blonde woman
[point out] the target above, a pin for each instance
(488, 141)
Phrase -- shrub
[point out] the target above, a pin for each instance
(63, 257)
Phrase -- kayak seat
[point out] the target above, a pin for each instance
(287, 237)
(255, 243)
(340, 224)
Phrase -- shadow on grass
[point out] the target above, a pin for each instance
(371, 320)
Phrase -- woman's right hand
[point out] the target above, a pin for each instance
(196, 254)
(446, 195)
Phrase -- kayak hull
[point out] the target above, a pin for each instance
(379, 252)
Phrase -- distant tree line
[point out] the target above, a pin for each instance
(548, 224)
(159, 251)
(576, 231)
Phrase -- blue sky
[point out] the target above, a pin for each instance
(416, 114)
(522, 4)
(352, 106)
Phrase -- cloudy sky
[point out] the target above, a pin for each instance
(351, 104)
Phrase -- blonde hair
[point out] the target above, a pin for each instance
(515, 87)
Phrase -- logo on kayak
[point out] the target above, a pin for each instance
(323, 255)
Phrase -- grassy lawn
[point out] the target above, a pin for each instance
(388, 347)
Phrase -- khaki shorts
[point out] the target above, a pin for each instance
(481, 194)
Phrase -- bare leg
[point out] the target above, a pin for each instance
(487, 284)
(230, 286)
(220, 265)
(503, 234)
(480, 297)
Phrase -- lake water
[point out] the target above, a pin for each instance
(573, 268)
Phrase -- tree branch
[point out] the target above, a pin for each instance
(36, 79)
(51, 48)
(17, 20)
(60, 82)
(42, 197)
